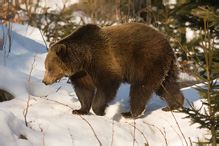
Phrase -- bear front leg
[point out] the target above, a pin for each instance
(140, 94)
(104, 95)
(85, 90)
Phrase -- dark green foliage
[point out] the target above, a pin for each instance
(208, 115)
(197, 117)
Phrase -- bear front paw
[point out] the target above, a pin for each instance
(79, 112)
(128, 115)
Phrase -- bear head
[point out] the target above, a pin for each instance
(54, 64)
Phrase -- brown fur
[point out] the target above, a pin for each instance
(98, 60)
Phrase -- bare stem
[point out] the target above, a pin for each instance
(179, 128)
(140, 132)
(41, 129)
(159, 130)
(28, 81)
(175, 131)
(44, 40)
(112, 132)
(91, 129)
(71, 136)
(134, 133)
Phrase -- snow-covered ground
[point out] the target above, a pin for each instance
(50, 116)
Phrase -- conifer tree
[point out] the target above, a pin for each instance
(208, 115)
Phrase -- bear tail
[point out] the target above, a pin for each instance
(169, 88)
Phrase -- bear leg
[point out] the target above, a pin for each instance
(140, 94)
(170, 90)
(104, 95)
(172, 95)
(85, 90)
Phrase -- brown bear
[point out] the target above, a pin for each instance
(98, 60)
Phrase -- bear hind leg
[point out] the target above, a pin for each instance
(172, 95)
(169, 90)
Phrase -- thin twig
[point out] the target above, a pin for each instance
(164, 131)
(112, 132)
(58, 88)
(57, 102)
(71, 136)
(159, 130)
(173, 114)
(179, 127)
(190, 141)
(190, 104)
(41, 129)
(140, 132)
(28, 81)
(175, 132)
(135, 140)
(44, 40)
(134, 133)
(92, 130)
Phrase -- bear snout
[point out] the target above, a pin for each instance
(44, 82)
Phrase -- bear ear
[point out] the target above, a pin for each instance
(61, 50)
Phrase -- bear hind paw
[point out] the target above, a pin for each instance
(167, 109)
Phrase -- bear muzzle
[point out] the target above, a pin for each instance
(48, 82)
(44, 82)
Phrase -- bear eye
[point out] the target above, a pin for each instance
(49, 69)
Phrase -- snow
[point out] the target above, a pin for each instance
(186, 77)
(50, 118)
(57, 4)
(28, 31)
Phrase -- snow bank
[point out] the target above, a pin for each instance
(30, 32)
(14, 132)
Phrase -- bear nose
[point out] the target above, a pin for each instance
(45, 83)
